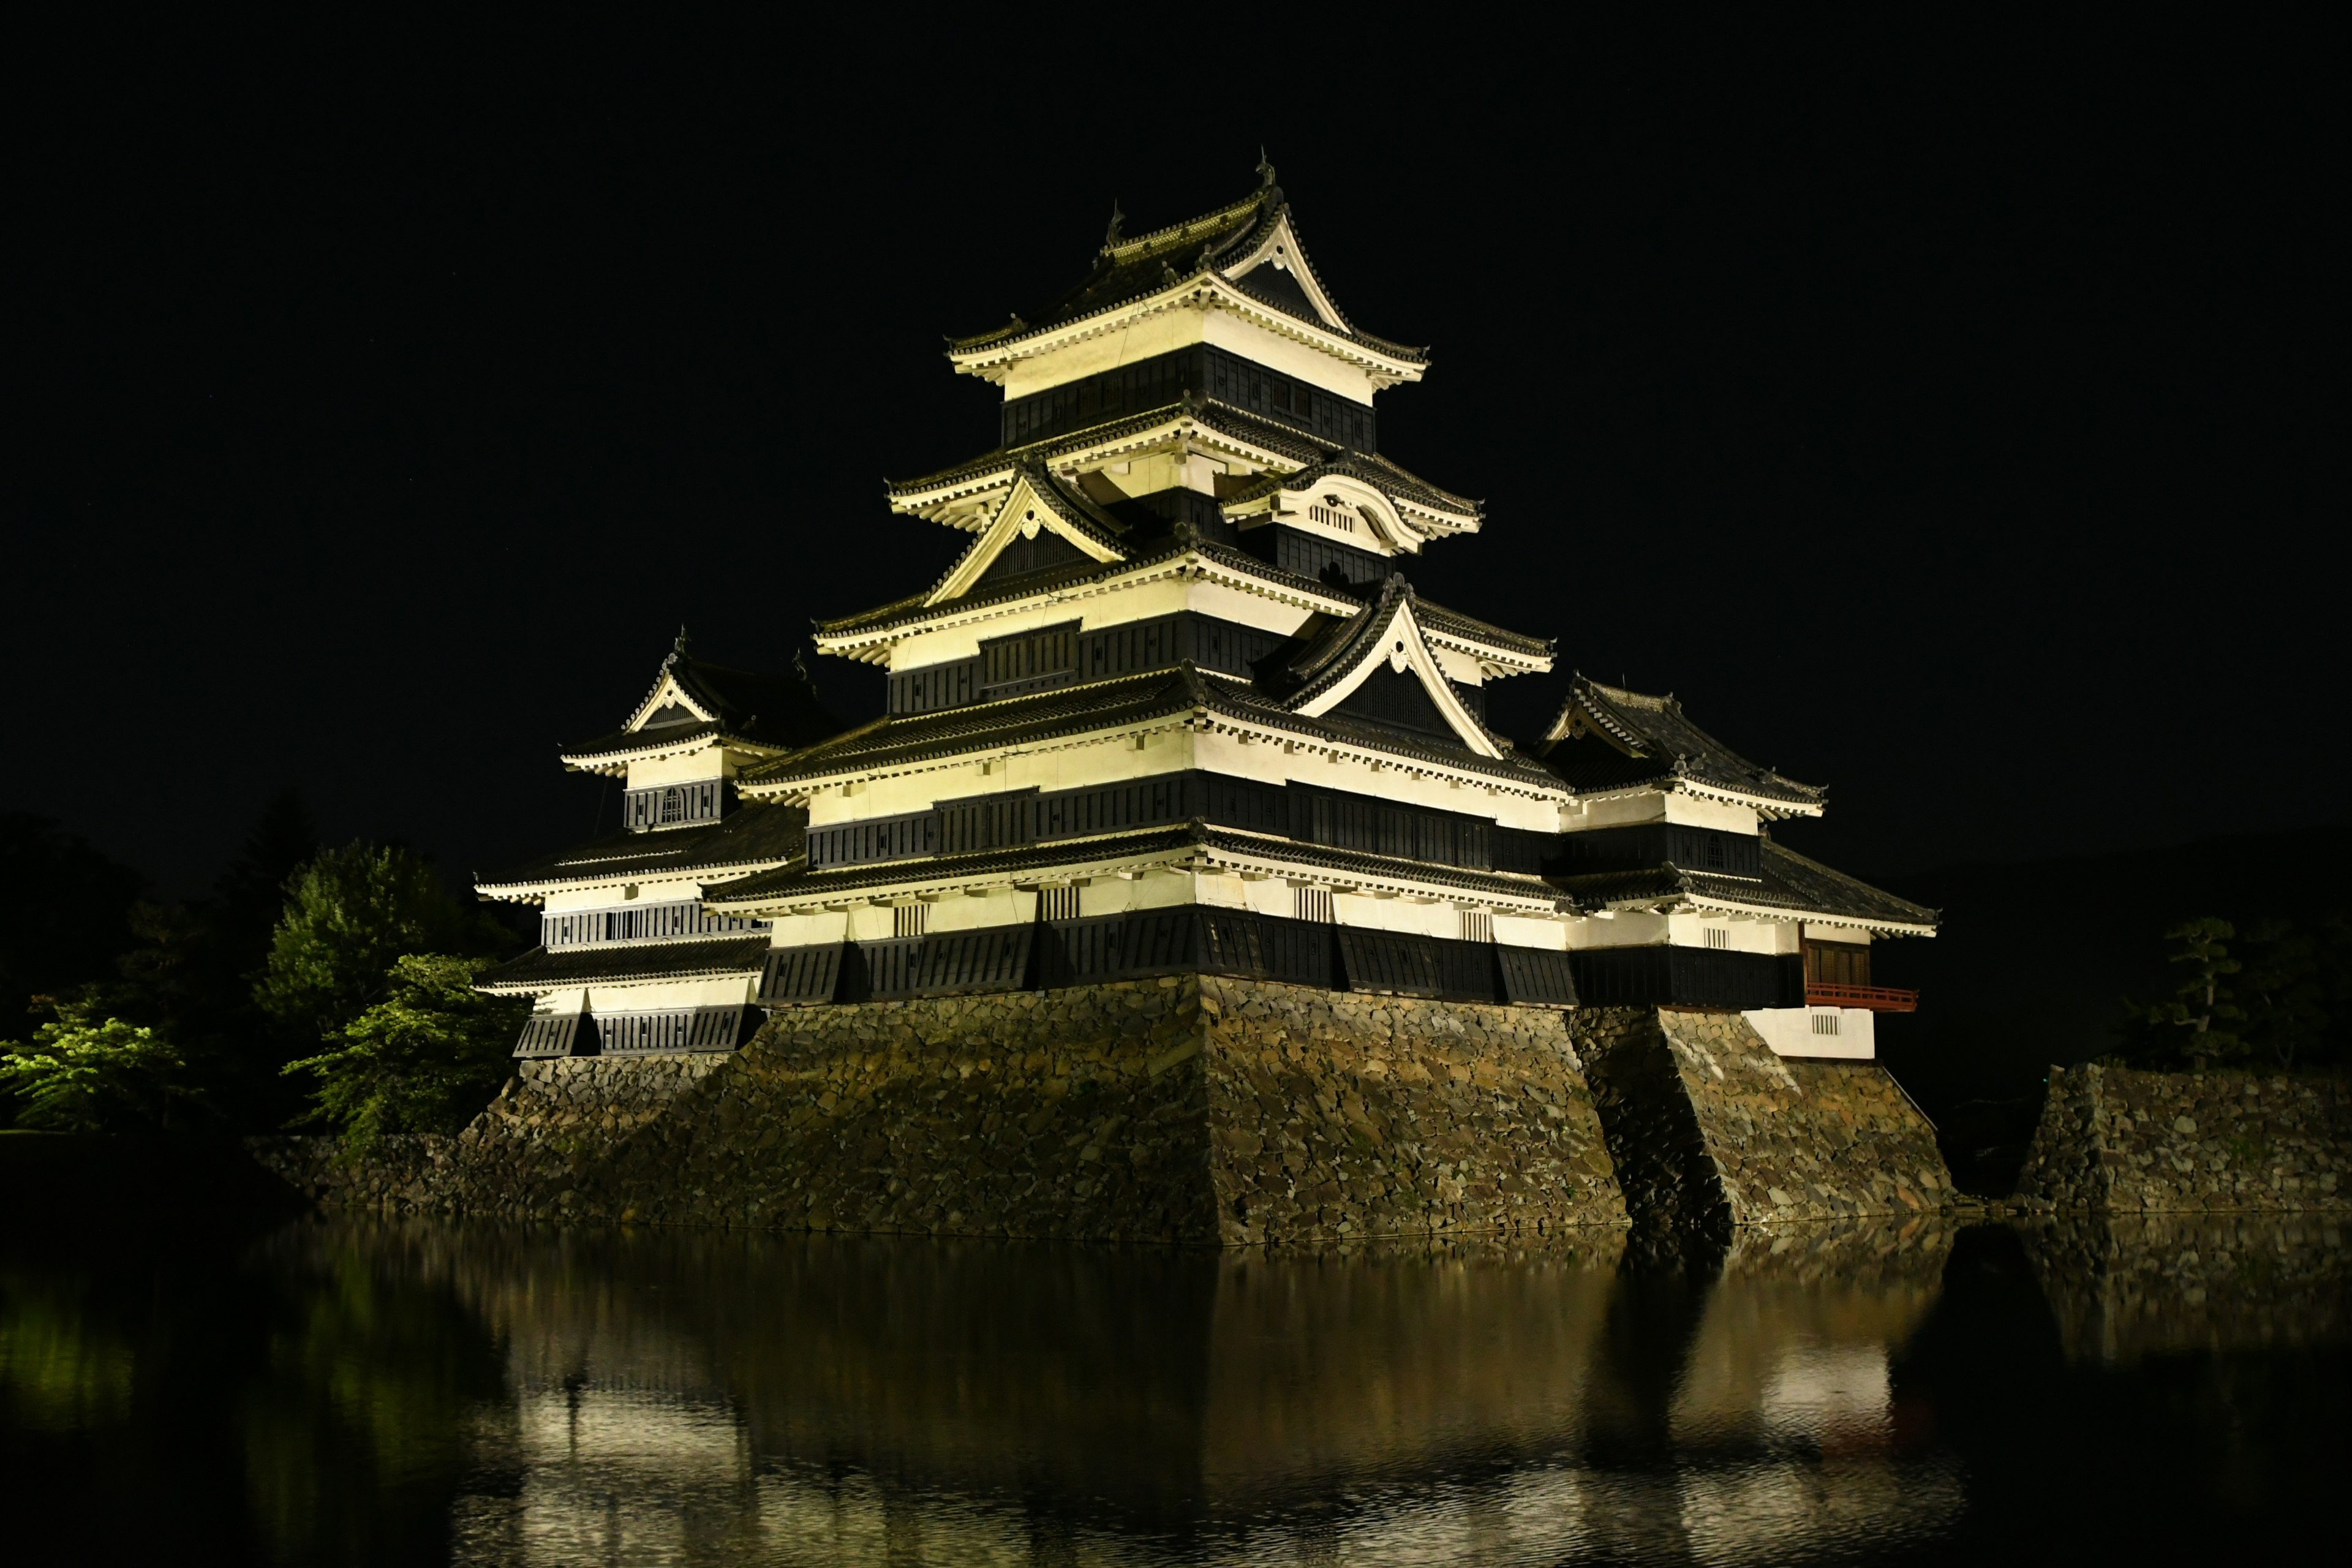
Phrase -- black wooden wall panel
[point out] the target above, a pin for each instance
(1339, 819)
(801, 976)
(1536, 977)
(1687, 977)
(1658, 843)
(547, 1035)
(1163, 379)
(1158, 642)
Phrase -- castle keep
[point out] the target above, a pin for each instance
(1174, 712)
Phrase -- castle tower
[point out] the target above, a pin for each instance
(1176, 706)
(633, 960)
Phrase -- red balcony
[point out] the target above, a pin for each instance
(1877, 999)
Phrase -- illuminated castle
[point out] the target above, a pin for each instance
(1176, 706)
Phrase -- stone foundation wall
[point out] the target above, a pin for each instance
(2116, 1140)
(1710, 1130)
(1187, 1110)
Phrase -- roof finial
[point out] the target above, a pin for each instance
(1265, 169)
(1116, 219)
(677, 648)
(799, 667)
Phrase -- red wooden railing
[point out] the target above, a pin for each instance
(1877, 999)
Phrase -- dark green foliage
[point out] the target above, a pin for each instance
(2197, 1023)
(349, 915)
(61, 924)
(85, 1071)
(425, 1059)
(2282, 999)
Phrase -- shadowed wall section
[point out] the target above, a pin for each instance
(1709, 1129)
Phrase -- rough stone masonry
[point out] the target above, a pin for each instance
(2116, 1140)
(1186, 1109)
(1709, 1129)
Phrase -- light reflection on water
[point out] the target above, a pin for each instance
(381, 1391)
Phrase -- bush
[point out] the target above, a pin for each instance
(82, 1073)
(425, 1059)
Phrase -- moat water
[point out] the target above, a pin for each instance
(349, 1392)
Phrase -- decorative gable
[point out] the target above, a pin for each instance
(1279, 272)
(1380, 668)
(1037, 508)
(670, 703)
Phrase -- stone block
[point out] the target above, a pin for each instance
(2120, 1141)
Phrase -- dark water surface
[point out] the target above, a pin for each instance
(417, 1392)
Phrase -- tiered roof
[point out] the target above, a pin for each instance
(919, 742)
(868, 635)
(694, 702)
(546, 969)
(1606, 738)
(752, 839)
(1791, 884)
(1248, 253)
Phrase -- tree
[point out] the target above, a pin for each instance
(83, 1072)
(2285, 998)
(250, 895)
(349, 915)
(425, 1059)
(61, 924)
(2199, 1020)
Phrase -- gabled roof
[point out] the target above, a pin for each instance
(749, 839)
(1321, 675)
(1224, 248)
(1039, 501)
(1425, 509)
(1791, 883)
(1607, 738)
(692, 701)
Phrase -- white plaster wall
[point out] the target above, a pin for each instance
(605, 895)
(1396, 914)
(685, 767)
(1630, 930)
(997, 907)
(809, 931)
(656, 996)
(1613, 811)
(1846, 934)
(1693, 812)
(1791, 1032)
(1517, 931)
(1657, 806)
(1687, 930)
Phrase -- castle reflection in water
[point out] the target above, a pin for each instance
(675, 1397)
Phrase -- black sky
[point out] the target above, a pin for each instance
(1952, 419)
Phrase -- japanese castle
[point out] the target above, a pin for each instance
(1176, 706)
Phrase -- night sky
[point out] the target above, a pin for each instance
(1954, 421)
